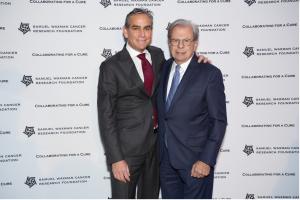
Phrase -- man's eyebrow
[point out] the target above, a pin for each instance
(137, 26)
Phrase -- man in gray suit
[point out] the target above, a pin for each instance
(127, 91)
(126, 108)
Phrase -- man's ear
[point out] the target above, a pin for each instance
(196, 46)
(125, 32)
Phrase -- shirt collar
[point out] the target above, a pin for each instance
(184, 65)
(134, 53)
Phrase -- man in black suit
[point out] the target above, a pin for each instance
(192, 117)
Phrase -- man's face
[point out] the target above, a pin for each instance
(139, 32)
(181, 44)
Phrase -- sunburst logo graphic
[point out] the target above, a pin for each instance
(27, 80)
(105, 3)
(24, 28)
(250, 2)
(30, 181)
(106, 53)
(248, 149)
(29, 131)
(248, 101)
(248, 51)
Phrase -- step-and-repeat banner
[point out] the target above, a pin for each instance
(50, 53)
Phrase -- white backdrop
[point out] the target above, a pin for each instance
(50, 53)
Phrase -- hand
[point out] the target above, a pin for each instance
(200, 169)
(121, 171)
(203, 59)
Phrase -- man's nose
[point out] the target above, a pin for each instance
(180, 44)
(142, 32)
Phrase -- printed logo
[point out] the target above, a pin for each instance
(105, 3)
(249, 2)
(248, 149)
(27, 80)
(29, 131)
(106, 53)
(249, 51)
(250, 196)
(24, 28)
(248, 101)
(30, 181)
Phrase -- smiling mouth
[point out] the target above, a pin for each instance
(142, 41)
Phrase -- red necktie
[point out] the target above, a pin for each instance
(148, 81)
(148, 73)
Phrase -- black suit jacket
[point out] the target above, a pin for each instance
(196, 120)
(124, 108)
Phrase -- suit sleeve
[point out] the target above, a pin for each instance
(107, 102)
(216, 101)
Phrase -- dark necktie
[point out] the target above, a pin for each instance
(148, 73)
(174, 85)
(148, 81)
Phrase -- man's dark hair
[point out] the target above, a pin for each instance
(136, 11)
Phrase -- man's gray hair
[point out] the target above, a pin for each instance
(136, 11)
(184, 22)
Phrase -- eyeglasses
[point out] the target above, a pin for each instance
(185, 42)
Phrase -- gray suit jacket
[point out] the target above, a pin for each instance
(124, 108)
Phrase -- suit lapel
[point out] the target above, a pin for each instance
(156, 67)
(165, 79)
(185, 81)
(130, 68)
